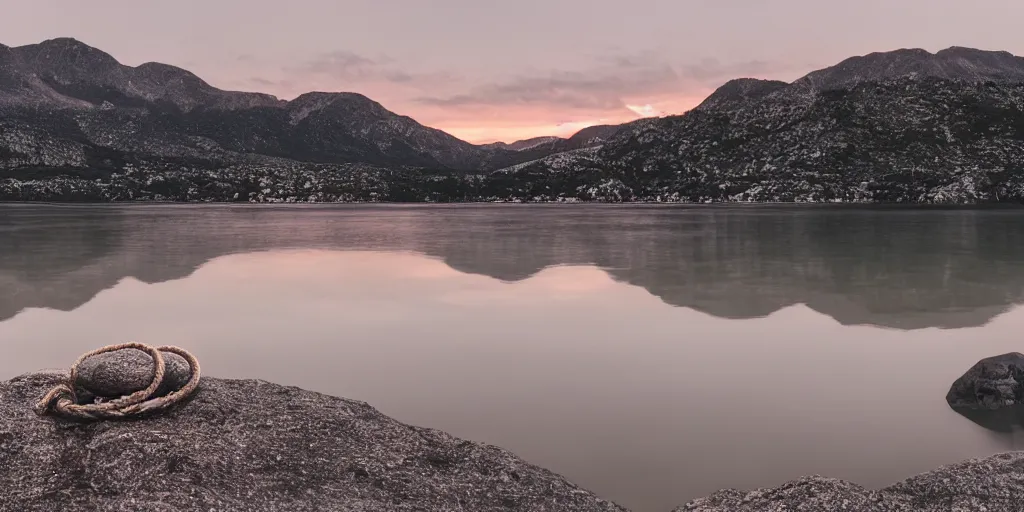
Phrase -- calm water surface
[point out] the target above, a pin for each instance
(652, 355)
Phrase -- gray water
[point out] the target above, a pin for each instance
(649, 354)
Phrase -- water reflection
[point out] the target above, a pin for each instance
(898, 268)
(1004, 419)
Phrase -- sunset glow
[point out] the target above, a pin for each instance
(484, 124)
(484, 134)
(483, 127)
(644, 110)
(539, 71)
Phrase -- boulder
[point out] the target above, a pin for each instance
(992, 383)
(123, 372)
(249, 445)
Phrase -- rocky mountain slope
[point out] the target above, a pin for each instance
(525, 144)
(67, 72)
(905, 126)
(901, 126)
(738, 91)
(955, 63)
(66, 104)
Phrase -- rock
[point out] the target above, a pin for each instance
(123, 372)
(995, 484)
(992, 383)
(248, 445)
(259, 447)
(806, 494)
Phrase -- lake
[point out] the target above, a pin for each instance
(650, 354)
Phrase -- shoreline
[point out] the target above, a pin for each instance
(567, 204)
(367, 460)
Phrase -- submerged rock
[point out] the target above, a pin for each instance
(248, 445)
(123, 372)
(992, 383)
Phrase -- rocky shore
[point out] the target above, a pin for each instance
(256, 446)
(995, 484)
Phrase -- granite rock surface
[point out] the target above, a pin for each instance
(249, 445)
(994, 484)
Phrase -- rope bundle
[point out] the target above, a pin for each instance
(63, 401)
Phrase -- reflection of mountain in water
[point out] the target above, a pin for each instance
(898, 267)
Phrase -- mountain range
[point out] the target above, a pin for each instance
(899, 126)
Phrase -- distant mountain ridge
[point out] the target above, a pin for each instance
(74, 74)
(521, 145)
(954, 63)
(905, 126)
(740, 90)
(173, 107)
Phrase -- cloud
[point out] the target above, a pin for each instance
(263, 82)
(399, 77)
(705, 71)
(713, 72)
(580, 90)
(339, 64)
(615, 82)
(351, 67)
(645, 110)
(606, 88)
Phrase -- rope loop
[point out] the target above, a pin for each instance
(63, 401)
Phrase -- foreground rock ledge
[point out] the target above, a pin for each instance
(995, 484)
(255, 446)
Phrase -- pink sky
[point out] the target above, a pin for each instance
(507, 70)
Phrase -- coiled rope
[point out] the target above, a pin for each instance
(62, 400)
